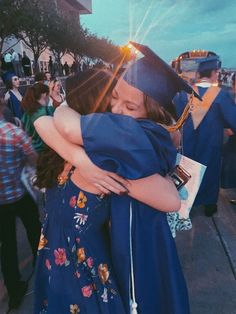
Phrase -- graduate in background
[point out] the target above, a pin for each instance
(13, 96)
(204, 130)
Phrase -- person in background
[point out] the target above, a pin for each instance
(35, 99)
(51, 66)
(40, 77)
(26, 64)
(55, 93)
(15, 151)
(228, 172)
(66, 69)
(16, 62)
(48, 78)
(21, 67)
(203, 131)
(13, 95)
(8, 61)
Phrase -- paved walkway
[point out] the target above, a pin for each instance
(207, 253)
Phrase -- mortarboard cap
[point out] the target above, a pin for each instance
(155, 78)
(209, 64)
(7, 76)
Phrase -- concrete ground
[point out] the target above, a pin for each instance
(208, 257)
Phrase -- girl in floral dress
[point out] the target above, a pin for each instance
(74, 272)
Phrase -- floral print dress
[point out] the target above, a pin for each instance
(73, 272)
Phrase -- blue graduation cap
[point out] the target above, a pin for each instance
(7, 76)
(209, 64)
(155, 78)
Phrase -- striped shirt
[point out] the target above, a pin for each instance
(15, 146)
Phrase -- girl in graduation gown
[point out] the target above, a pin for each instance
(13, 95)
(74, 272)
(144, 253)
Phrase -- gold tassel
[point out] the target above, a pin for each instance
(184, 116)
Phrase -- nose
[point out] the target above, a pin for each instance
(117, 108)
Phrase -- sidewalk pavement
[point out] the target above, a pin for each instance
(207, 254)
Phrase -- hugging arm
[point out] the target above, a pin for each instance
(72, 130)
(155, 191)
(104, 181)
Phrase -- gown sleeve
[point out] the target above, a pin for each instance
(121, 144)
(228, 110)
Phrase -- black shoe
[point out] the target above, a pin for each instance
(210, 210)
(233, 202)
(16, 298)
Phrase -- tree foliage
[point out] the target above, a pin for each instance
(9, 19)
(41, 26)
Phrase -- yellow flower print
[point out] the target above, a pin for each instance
(42, 242)
(81, 255)
(74, 309)
(62, 179)
(103, 273)
(82, 199)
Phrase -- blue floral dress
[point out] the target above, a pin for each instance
(73, 272)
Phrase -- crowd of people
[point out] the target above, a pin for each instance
(103, 151)
(15, 62)
(23, 67)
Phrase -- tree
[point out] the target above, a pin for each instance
(103, 49)
(66, 36)
(35, 20)
(9, 19)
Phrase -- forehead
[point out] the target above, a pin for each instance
(128, 92)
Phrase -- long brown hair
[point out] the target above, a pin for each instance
(82, 93)
(157, 113)
(30, 102)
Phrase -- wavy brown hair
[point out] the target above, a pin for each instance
(82, 94)
(30, 102)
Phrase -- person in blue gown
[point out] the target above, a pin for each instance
(228, 174)
(203, 137)
(144, 255)
(13, 95)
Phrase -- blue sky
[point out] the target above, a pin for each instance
(169, 27)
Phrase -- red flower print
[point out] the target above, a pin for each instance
(60, 256)
(87, 291)
(48, 264)
(90, 262)
(73, 201)
(77, 274)
(77, 240)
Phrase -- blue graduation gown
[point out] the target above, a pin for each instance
(136, 149)
(205, 143)
(228, 173)
(15, 106)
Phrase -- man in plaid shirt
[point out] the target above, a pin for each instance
(15, 151)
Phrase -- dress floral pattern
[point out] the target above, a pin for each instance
(74, 272)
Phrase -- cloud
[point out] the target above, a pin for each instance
(170, 27)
